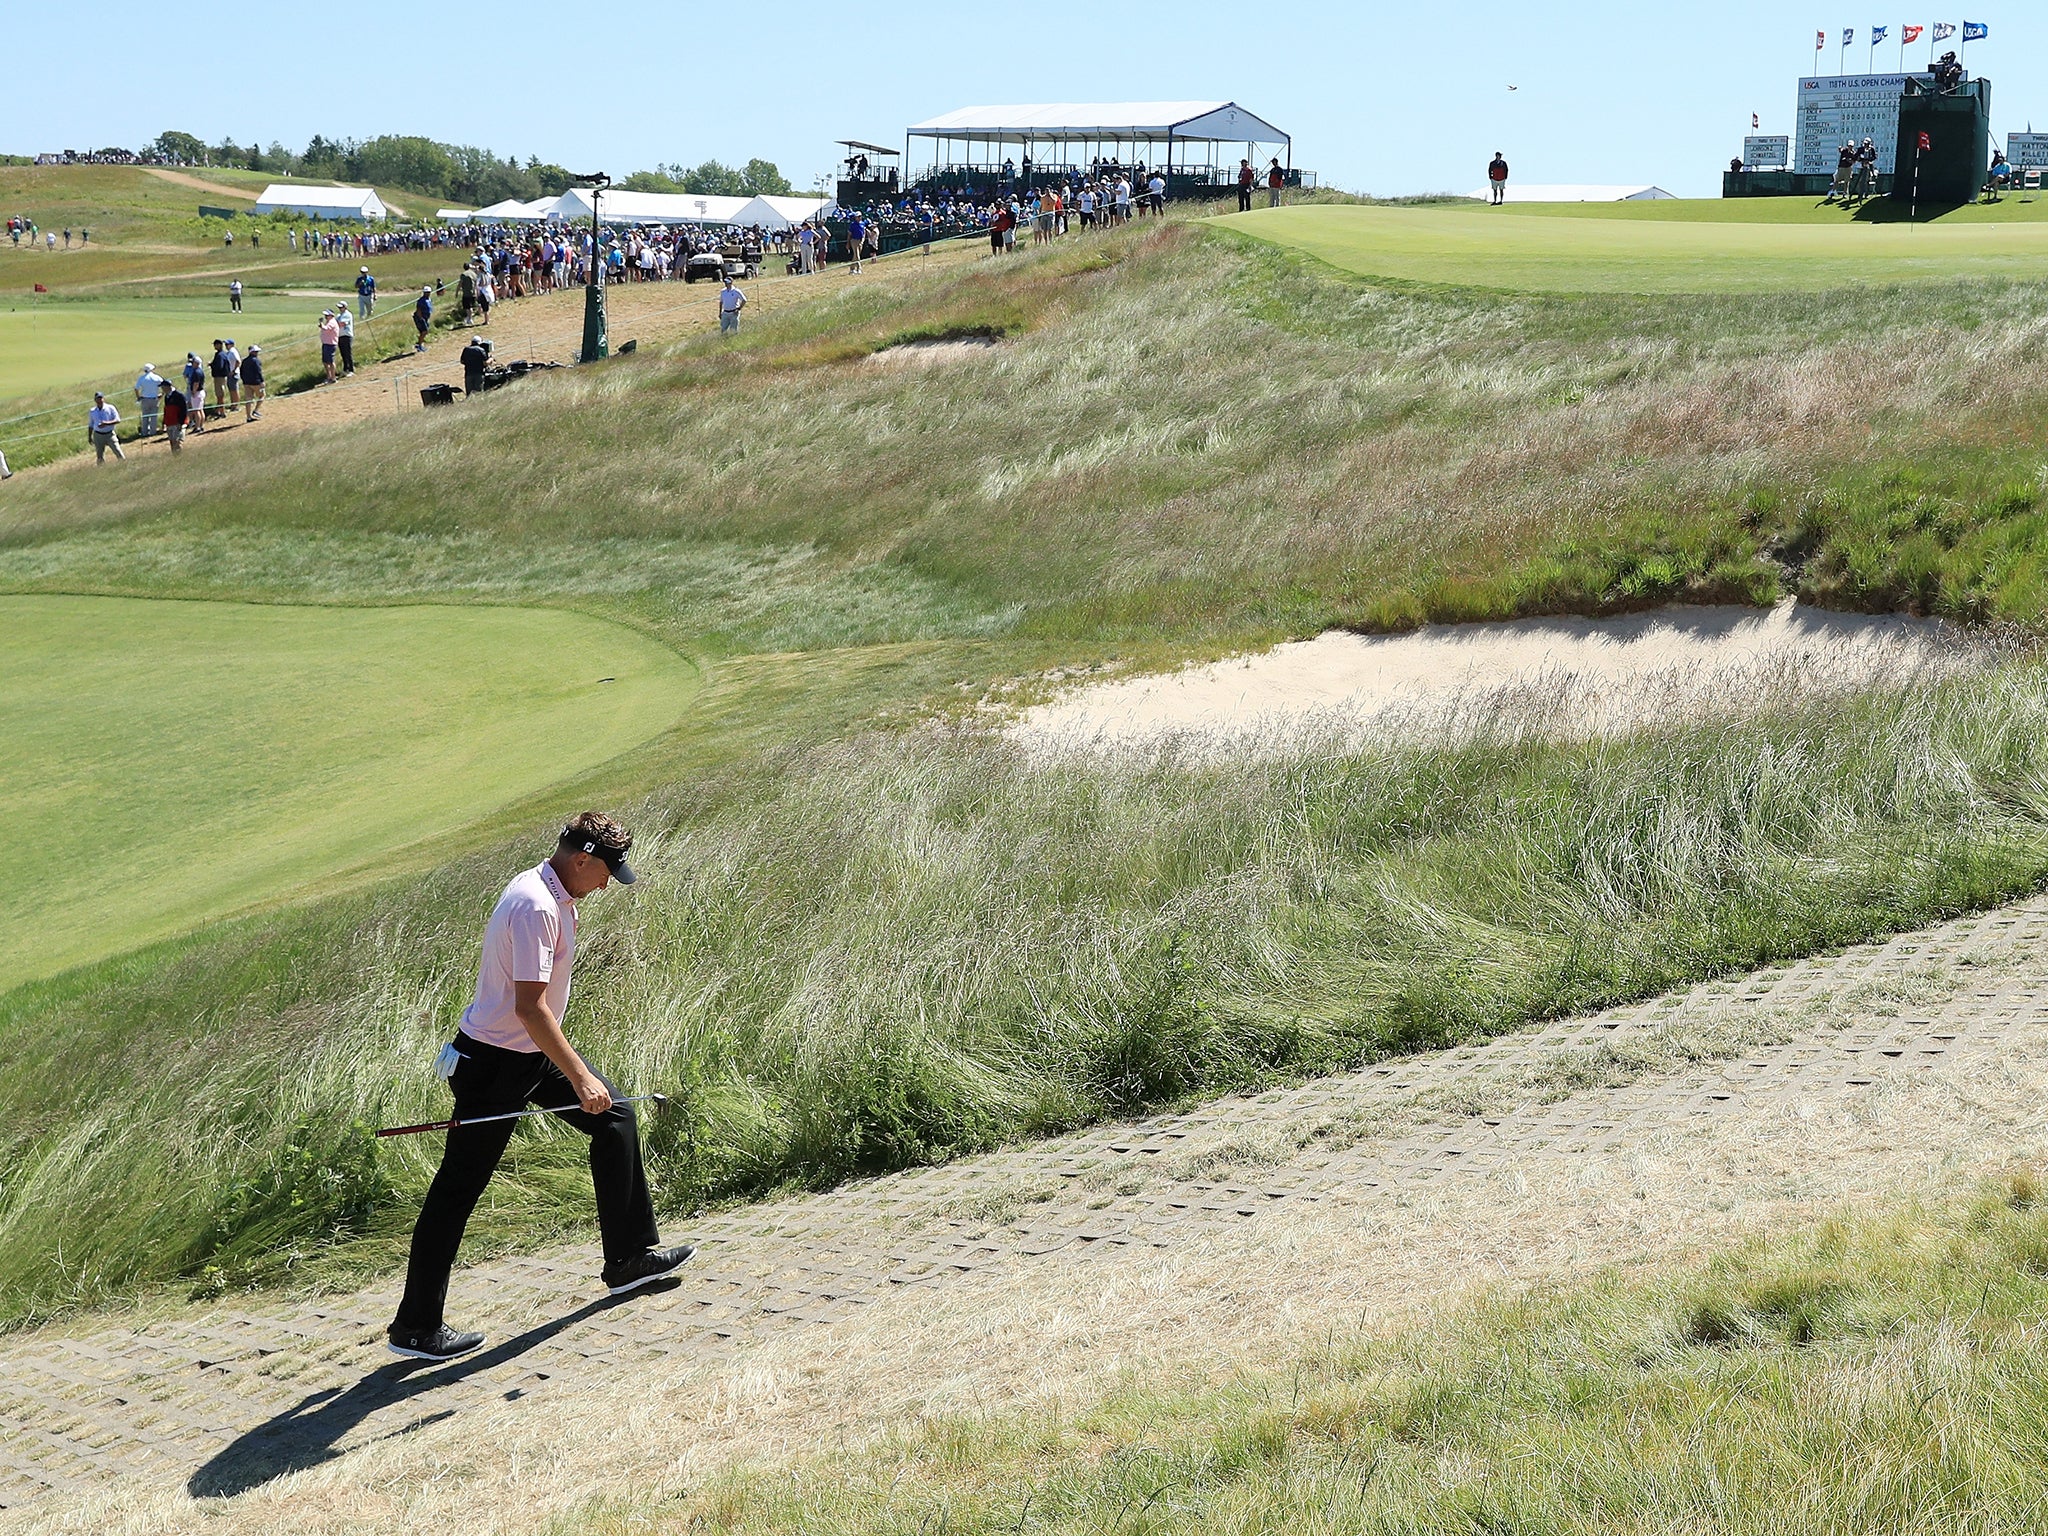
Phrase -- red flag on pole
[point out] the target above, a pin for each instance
(1910, 34)
(41, 289)
(1820, 41)
(1926, 141)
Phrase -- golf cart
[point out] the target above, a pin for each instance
(706, 265)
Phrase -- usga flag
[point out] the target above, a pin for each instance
(1944, 30)
(1972, 30)
(1877, 35)
(1910, 34)
(1820, 41)
(1848, 36)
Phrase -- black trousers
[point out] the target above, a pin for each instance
(491, 1081)
(1244, 199)
(347, 343)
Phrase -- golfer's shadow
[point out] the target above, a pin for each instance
(307, 1434)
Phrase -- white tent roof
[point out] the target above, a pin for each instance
(454, 213)
(782, 212)
(1224, 122)
(652, 207)
(321, 202)
(1634, 192)
(513, 211)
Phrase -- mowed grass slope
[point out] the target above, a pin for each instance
(866, 940)
(184, 761)
(1736, 246)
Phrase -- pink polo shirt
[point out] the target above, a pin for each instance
(531, 937)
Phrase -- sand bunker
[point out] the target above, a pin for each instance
(929, 354)
(1560, 676)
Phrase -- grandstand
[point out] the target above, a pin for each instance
(1195, 144)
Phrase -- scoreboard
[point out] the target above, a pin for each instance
(1838, 109)
(2028, 151)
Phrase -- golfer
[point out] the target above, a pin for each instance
(512, 1053)
(1497, 178)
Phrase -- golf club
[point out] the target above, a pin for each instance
(517, 1114)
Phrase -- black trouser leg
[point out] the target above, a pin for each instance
(348, 354)
(466, 1167)
(625, 1209)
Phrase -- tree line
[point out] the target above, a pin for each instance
(461, 173)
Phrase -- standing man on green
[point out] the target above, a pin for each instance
(512, 1053)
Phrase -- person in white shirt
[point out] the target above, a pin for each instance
(1157, 187)
(235, 296)
(512, 1053)
(730, 302)
(149, 390)
(345, 337)
(100, 423)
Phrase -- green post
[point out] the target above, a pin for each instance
(596, 344)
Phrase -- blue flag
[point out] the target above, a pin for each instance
(1848, 36)
(1877, 35)
(1972, 30)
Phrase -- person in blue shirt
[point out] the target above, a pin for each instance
(856, 237)
(422, 317)
(366, 290)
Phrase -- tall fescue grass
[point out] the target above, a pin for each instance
(896, 949)
(1189, 436)
(1858, 1377)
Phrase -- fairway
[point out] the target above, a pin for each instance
(171, 762)
(1612, 248)
(65, 342)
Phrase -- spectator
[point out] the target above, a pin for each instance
(234, 361)
(1247, 178)
(366, 291)
(195, 390)
(330, 342)
(422, 317)
(1497, 178)
(731, 301)
(1157, 188)
(856, 238)
(1276, 181)
(474, 357)
(176, 409)
(217, 366)
(5, 472)
(235, 296)
(345, 338)
(100, 423)
(252, 384)
(149, 389)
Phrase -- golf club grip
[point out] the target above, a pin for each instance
(414, 1130)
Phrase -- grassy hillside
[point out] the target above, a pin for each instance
(868, 937)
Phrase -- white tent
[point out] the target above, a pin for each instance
(650, 207)
(781, 212)
(513, 211)
(454, 215)
(1634, 192)
(321, 202)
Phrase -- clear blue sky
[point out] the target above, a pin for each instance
(1379, 99)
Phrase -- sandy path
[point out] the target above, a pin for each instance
(1575, 676)
(1204, 1242)
(164, 173)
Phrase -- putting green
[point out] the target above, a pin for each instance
(72, 341)
(1556, 250)
(169, 762)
